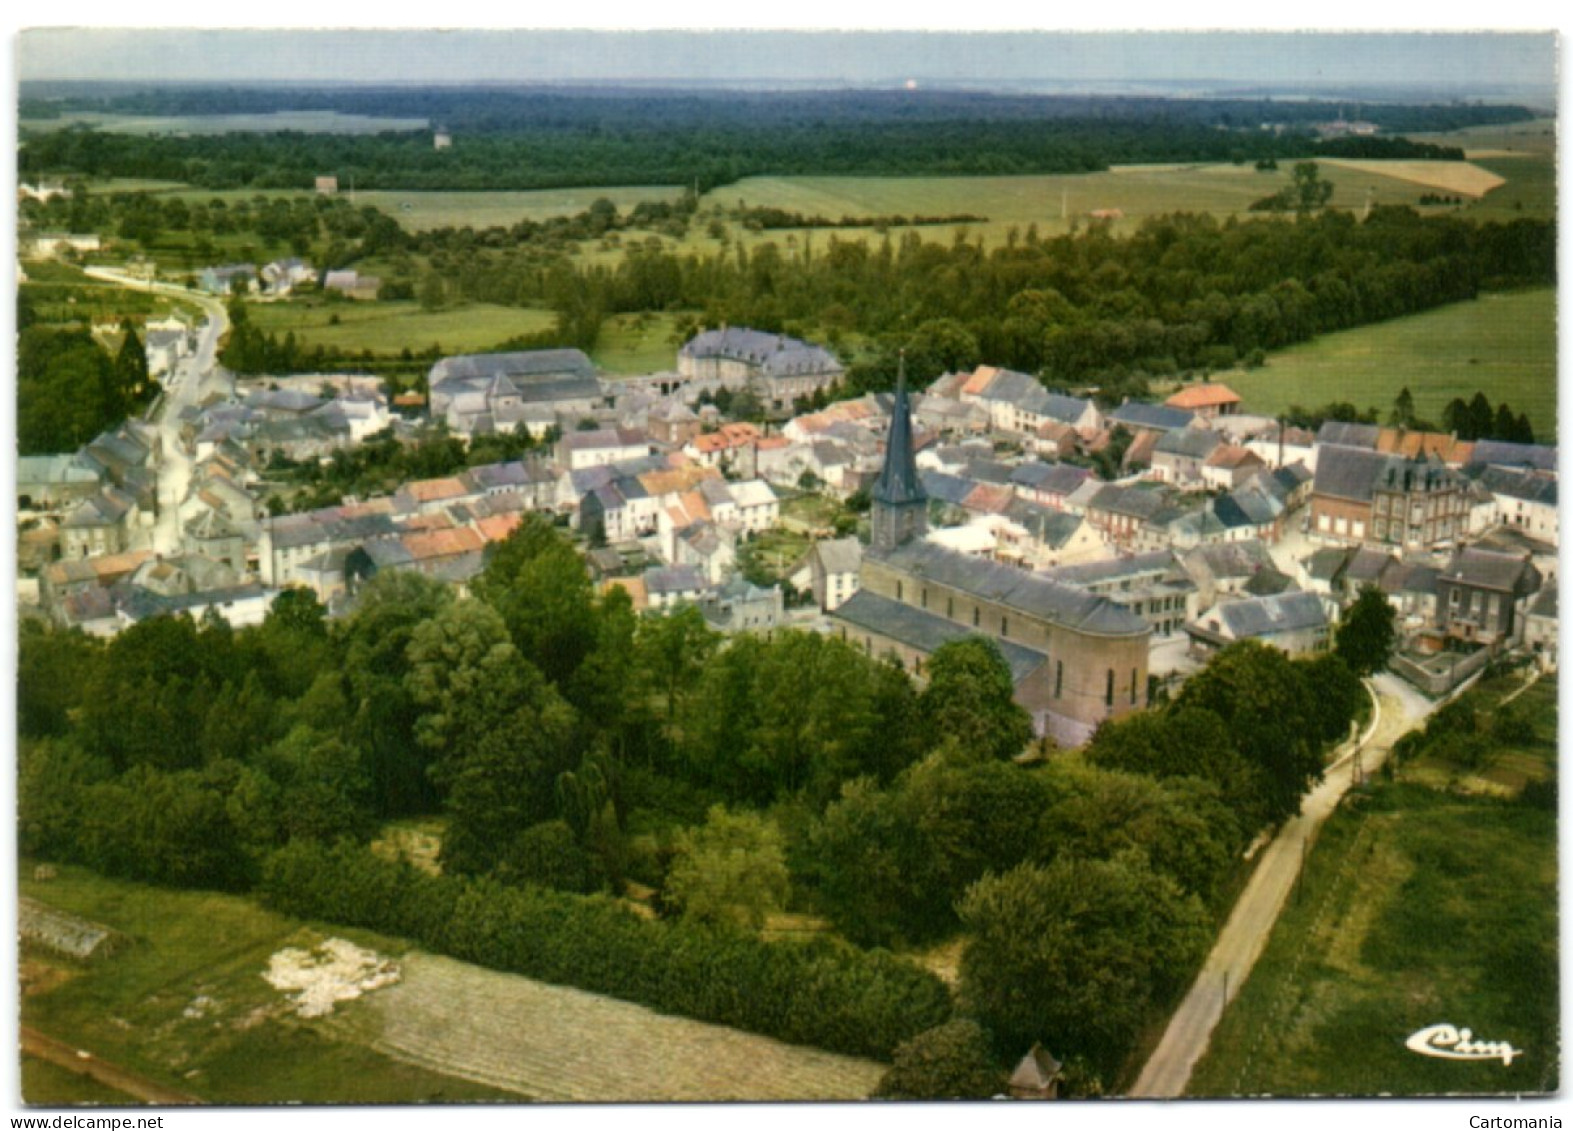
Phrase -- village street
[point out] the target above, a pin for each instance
(1400, 709)
(192, 378)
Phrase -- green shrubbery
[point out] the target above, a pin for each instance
(818, 993)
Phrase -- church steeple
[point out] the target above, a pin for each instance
(900, 505)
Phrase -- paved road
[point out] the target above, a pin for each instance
(1245, 934)
(193, 378)
(83, 1063)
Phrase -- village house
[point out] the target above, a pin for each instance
(1233, 569)
(1295, 623)
(778, 369)
(533, 391)
(1285, 445)
(282, 276)
(1152, 586)
(1121, 512)
(1228, 466)
(600, 447)
(352, 284)
(1361, 496)
(1178, 457)
(1479, 595)
(1540, 627)
(49, 482)
(1206, 399)
(666, 587)
(233, 278)
(1019, 404)
(739, 606)
(1523, 499)
(1138, 417)
(100, 524)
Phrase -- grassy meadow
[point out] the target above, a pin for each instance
(1432, 899)
(140, 1008)
(388, 327)
(1503, 345)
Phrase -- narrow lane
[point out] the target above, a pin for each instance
(1245, 934)
(110, 1075)
(193, 378)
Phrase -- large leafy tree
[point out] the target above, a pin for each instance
(1263, 700)
(969, 699)
(538, 582)
(1077, 953)
(732, 869)
(953, 1061)
(1367, 633)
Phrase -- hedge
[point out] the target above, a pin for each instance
(822, 992)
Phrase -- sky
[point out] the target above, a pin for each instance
(1463, 60)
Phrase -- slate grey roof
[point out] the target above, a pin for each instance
(917, 628)
(1051, 527)
(137, 603)
(1367, 567)
(673, 579)
(989, 471)
(1052, 478)
(1015, 588)
(898, 481)
(1344, 434)
(1131, 501)
(1545, 603)
(1531, 486)
(1496, 452)
(1268, 582)
(1350, 473)
(1189, 443)
(1292, 475)
(1127, 565)
(1267, 616)
(529, 363)
(1140, 414)
(776, 354)
(1486, 569)
(1232, 559)
(952, 489)
(840, 555)
(1328, 564)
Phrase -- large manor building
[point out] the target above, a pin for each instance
(1077, 658)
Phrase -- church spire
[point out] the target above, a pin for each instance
(900, 505)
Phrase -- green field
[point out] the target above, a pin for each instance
(299, 121)
(1503, 345)
(1425, 902)
(388, 327)
(423, 211)
(1051, 202)
(636, 344)
(139, 1008)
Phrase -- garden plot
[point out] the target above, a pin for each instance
(564, 1045)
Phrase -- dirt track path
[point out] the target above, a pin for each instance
(1245, 934)
(82, 1063)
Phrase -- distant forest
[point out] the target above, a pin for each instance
(508, 138)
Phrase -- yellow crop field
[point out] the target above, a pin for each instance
(1449, 176)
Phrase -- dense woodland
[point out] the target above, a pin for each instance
(571, 745)
(522, 139)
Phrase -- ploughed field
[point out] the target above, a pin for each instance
(563, 1045)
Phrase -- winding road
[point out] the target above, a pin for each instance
(192, 379)
(1399, 709)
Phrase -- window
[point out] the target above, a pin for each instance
(1108, 690)
(976, 616)
(1133, 687)
(1323, 523)
(898, 590)
(1004, 628)
(950, 607)
(1381, 528)
(1059, 677)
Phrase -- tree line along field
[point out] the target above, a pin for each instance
(1427, 900)
(1501, 344)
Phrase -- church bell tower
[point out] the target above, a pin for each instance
(900, 507)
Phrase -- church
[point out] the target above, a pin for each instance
(1076, 657)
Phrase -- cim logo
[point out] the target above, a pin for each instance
(1447, 1043)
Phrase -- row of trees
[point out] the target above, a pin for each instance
(70, 387)
(552, 139)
